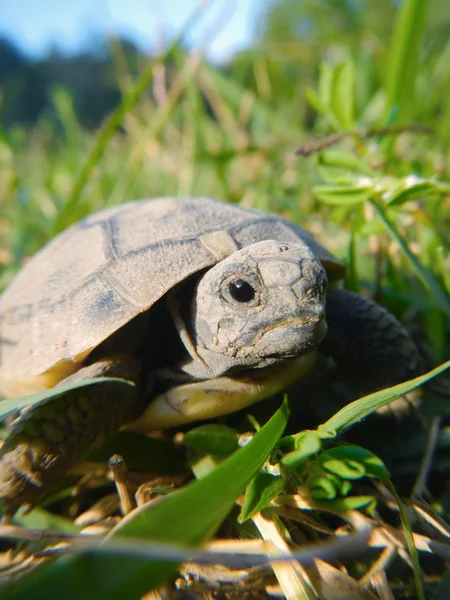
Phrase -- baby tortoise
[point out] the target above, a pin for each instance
(206, 306)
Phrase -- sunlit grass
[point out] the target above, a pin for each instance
(199, 130)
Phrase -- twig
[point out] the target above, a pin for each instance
(120, 473)
(433, 438)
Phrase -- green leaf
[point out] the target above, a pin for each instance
(359, 409)
(39, 518)
(315, 102)
(325, 86)
(349, 503)
(341, 159)
(342, 195)
(8, 407)
(219, 440)
(344, 487)
(307, 444)
(335, 176)
(323, 487)
(188, 518)
(347, 469)
(373, 465)
(343, 94)
(326, 434)
(417, 190)
(264, 488)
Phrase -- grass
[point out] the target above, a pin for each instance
(380, 202)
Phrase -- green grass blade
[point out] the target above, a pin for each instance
(159, 119)
(359, 409)
(406, 522)
(403, 62)
(343, 96)
(260, 491)
(130, 99)
(427, 279)
(445, 119)
(187, 518)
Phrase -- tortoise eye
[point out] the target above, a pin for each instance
(241, 291)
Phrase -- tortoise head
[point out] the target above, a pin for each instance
(261, 305)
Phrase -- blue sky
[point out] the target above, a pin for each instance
(36, 25)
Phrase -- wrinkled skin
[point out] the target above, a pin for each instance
(261, 305)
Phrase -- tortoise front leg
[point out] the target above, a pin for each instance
(54, 434)
(368, 345)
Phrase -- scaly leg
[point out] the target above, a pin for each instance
(367, 343)
(53, 435)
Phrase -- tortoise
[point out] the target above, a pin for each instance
(206, 306)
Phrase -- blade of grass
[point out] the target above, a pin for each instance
(359, 409)
(406, 522)
(129, 101)
(425, 277)
(160, 117)
(403, 61)
(188, 518)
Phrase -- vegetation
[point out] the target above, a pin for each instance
(338, 117)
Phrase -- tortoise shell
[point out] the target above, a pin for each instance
(105, 270)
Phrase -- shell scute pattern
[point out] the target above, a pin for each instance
(102, 272)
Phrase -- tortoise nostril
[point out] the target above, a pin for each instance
(315, 317)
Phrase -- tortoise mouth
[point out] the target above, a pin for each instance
(289, 340)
